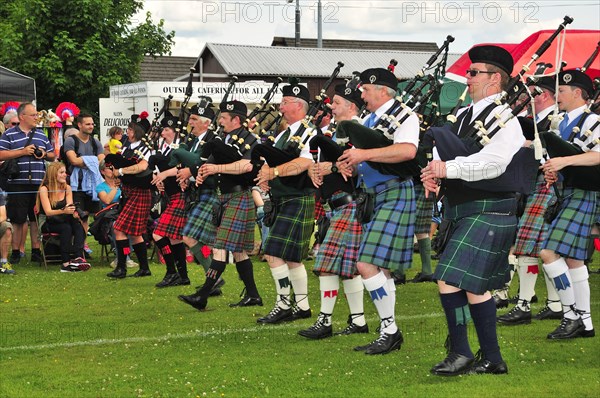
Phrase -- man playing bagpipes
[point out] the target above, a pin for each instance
(566, 247)
(168, 232)
(132, 168)
(289, 235)
(532, 229)
(387, 241)
(235, 214)
(338, 252)
(474, 260)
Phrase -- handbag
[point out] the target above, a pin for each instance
(365, 204)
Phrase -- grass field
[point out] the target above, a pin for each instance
(83, 335)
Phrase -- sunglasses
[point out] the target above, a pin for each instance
(475, 72)
(14, 123)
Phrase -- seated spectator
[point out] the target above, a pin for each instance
(55, 201)
(5, 237)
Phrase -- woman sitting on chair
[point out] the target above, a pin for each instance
(55, 204)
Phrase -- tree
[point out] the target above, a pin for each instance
(76, 49)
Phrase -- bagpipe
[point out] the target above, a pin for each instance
(408, 103)
(521, 172)
(275, 157)
(218, 130)
(329, 151)
(181, 133)
(142, 179)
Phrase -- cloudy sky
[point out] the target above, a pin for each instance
(469, 21)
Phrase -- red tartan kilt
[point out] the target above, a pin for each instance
(319, 210)
(133, 219)
(173, 219)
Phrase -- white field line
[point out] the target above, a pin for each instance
(183, 336)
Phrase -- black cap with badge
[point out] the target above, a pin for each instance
(297, 91)
(493, 55)
(349, 94)
(576, 78)
(380, 76)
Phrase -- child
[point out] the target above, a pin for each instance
(116, 135)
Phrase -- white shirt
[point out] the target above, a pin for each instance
(305, 152)
(493, 159)
(146, 155)
(408, 132)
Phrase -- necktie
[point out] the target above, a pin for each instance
(564, 127)
(466, 122)
(371, 120)
(282, 141)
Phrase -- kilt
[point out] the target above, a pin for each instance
(289, 236)
(133, 218)
(319, 210)
(569, 233)
(532, 229)
(173, 219)
(199, 224)
(339, 250)
(387, 240)
(476, 256)
(424, 210)
(236, 232)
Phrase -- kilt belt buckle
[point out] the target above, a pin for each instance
(218, 190)
(341, 201)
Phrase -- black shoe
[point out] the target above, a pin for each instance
(317, 331)
(118, 273)
(15, 258)
(247, 301)
(297, 313)
(386, 343)
(587, 333)
(195, 300)
(547, 313)
(399, 279)
(169, 280)
(500, 303)
(568, 329)
(215, 292)
(486, 367)
(516, 316)
(184, 281)
(36, 257)
(421, 277)
(353, 328)
(453, 365)
(142, 272)
(277, 315)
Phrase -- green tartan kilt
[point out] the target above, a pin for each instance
(476, 256)
(289, 236)
(199, 225)
(236, 231)
(424, 210)
(388, 238)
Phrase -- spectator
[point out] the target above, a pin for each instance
(55, 201)
(115, 144)
(10, 119)
(31, 148)
(5, 236)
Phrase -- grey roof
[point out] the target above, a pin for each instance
(244, 60)
(358, 44)
(165, 68)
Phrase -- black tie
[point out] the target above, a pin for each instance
(466, 122)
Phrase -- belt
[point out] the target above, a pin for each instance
(341, 201)
(233, 189)
(384, 186)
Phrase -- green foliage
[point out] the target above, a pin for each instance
(76, 49)
(83, 335)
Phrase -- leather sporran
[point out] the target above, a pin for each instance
(521, 204)
(322, 226)
(217, 213)
(554, 206)
(441, 239)
(365, 204)
(270, 213)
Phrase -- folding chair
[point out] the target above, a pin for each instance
(46, 240)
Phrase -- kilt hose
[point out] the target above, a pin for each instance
(475, 258)
(199, 224)
(172, 220)
(387, 240)
(569, 233)
(133, 218)
(236, 232)
(532, 229)
(339, 251)
(289, 236)
(424, 210)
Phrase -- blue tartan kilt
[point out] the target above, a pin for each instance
(476, 256)
(424, 210)
(289, 236)
(199, 224)
(339, 251)
(236, 231)
(387, 240)
(569, 233)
